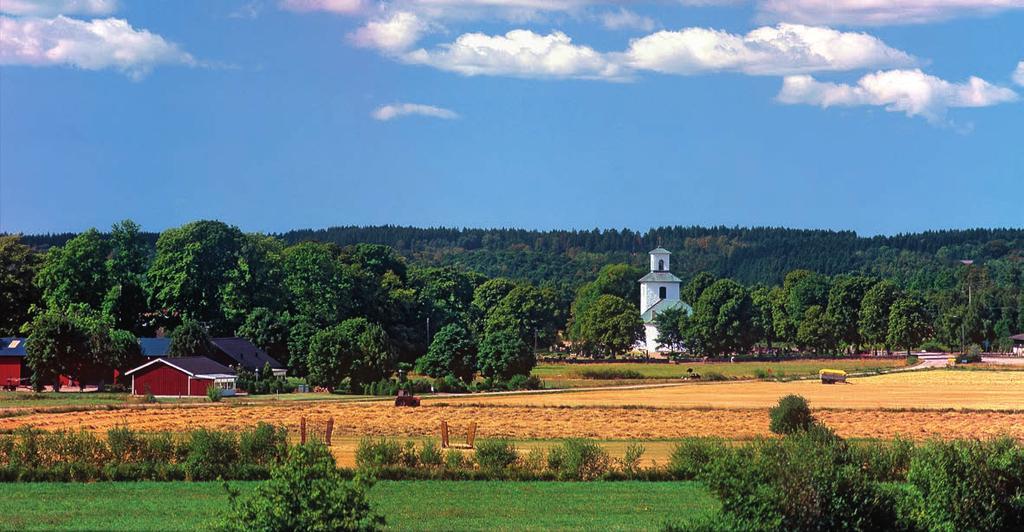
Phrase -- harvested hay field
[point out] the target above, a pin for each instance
(536, 422)
(939, 389)
(919, 404)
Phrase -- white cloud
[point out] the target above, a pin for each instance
(1018, 74)
(92, 45)
(519, 53)
(396, 110)
(879, 12)
(49, 8)
(330, 6)
(784, 49)
(908, 91)
(624, 19)
(396, 33)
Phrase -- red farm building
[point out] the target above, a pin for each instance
(182, 376)
(12, 363)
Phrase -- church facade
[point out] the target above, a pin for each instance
(659, 290)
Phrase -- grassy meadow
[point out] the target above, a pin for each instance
(407, 505)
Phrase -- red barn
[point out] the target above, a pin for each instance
(181, 376)
(12, 362)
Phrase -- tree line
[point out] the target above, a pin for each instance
(351, 313)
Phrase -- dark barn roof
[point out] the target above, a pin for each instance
(245, 353)
(1018, 337)
(12, 347)
(192, 365)
(155, 347)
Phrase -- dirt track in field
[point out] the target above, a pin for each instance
(862, 409)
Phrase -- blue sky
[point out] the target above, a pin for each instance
(274, 115)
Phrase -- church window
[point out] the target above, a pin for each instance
(661, 265)
(662, 292)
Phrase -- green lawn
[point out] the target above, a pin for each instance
(566, 373)
(407, 505)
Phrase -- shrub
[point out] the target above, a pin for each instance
(691, 456)
(264, 444)
(534, 461)
(408, 457)
(125, 445)
(449, 384)
(578, 459)
(373, 453)
(609, 374)
(884, 461)
(760, 373)
(970, 484)
(430, 453)
(803, 481)
(454, 460)
(305, 492)
(973, 354)
(213, 393)
(792, 414)
(211, 454)
(912, 360)
(712, 376)
(631, 461)
(495, 456)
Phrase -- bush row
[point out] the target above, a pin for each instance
(34, 455)
(451, 384)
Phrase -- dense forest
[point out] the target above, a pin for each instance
(759, 255)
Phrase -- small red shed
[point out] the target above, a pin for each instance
(12, 362)
(181, 376)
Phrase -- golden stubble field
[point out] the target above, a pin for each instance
(918, 405)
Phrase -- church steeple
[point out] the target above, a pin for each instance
(660, 259)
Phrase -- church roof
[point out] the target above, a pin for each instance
(660, 306)
(660, 251)
(660, 277)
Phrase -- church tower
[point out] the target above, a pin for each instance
(659, 290)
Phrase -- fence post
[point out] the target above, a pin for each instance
(302, 430)
(330, 430)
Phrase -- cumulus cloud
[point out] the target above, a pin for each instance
(49, 8)
(624, 19)
(396, 33)
(879, 12)
(784, 49)
(90, 45)
(397, 110)
(519, 53)
(1018, 75)
(330, 6)
(907, 91)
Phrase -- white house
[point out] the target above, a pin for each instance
(659, 290)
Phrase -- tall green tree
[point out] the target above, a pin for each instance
(76, 272)
(843, 310)
(190, 339)
(18, 292)
(611, 326)
(256, 280)
(488, 295)
(803, 289)
(672, 324)
(126, 301)
(452, 352)
(503, 354)
(355, 349)
(190, 270)
(874, 313)
(526, 311)
(68, 341)
(269, 331)
(908, 323)
(723, 320)
(319, 286)
(816, 332)
(693, 289)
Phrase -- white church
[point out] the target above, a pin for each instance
(659, 291)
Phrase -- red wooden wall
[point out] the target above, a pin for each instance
(165, 380)
(10, 368)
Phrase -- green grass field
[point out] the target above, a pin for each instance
(569, 374)
(407, 505)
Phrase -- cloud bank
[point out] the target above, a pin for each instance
(911, 92)
(90, 45)
(397, 110)
(879, 12)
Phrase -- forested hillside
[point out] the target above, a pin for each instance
(749, 255)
